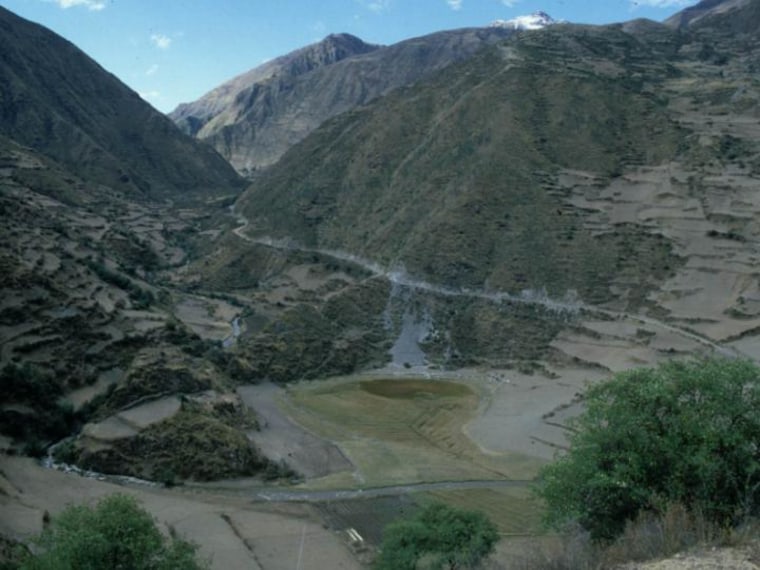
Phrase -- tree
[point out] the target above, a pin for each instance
(686, 432)
(116, 534)
(437, 537)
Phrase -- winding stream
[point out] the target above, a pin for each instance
(232, 339)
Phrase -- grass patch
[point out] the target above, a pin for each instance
(513, 510)
(401, 431)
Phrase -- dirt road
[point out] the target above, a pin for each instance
(303, 496)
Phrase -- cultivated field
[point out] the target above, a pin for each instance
(403, 430)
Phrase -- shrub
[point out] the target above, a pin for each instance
(686, 432)
(650, 536)
(439, 537)
(117, 533)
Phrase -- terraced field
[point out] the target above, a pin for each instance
(403, 430)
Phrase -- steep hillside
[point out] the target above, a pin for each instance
(100, 198)
(706, 11)
(58, 101)
(454, 178)
(607, 167)
(220, 106)
(255, 118)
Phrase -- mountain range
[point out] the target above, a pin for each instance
(558, 202)
(535, 21)
(254, 118)
(554, 162)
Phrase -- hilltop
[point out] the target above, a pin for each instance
(254, 118)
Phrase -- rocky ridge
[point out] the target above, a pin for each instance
(255, 118)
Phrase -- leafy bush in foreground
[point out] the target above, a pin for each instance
(117, 533)
(686, 432)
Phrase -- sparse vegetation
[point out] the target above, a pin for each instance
(623, 179)
(141, 298)
(307, 342)
(676, 531)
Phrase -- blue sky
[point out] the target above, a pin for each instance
(173, 51)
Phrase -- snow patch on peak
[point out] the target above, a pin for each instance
(534, 21)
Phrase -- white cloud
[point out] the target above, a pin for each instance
(161, 41)
(152, 69)
(94, 5)
(150, 95)
(378, 6)
(454, 4)
(661, 3)
(510, 3)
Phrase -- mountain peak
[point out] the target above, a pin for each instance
(534, 21)
(343, 37)
(331, 49)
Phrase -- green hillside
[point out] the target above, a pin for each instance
(455, 178)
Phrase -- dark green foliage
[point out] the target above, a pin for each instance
(437, 537)
(131, 251)
(141, 298)
(39, 416)
(279, 470)
(156, 379)
(306, 342)
(686, 432)
(28, 383)
(116, 533)
(178, 334)
(65, 452)
(12, 553)
(189, 445)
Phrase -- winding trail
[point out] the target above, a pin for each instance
(398, 276)
(569, 305)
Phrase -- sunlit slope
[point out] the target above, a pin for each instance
(455, 178)
(254, 118)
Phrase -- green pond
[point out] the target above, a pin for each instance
(407, 389)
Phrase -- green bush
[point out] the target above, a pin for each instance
(437, 537)
(47, 419)
(28, 383)
(117, 533)
(686, 432)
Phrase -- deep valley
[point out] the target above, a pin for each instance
(273, 336)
